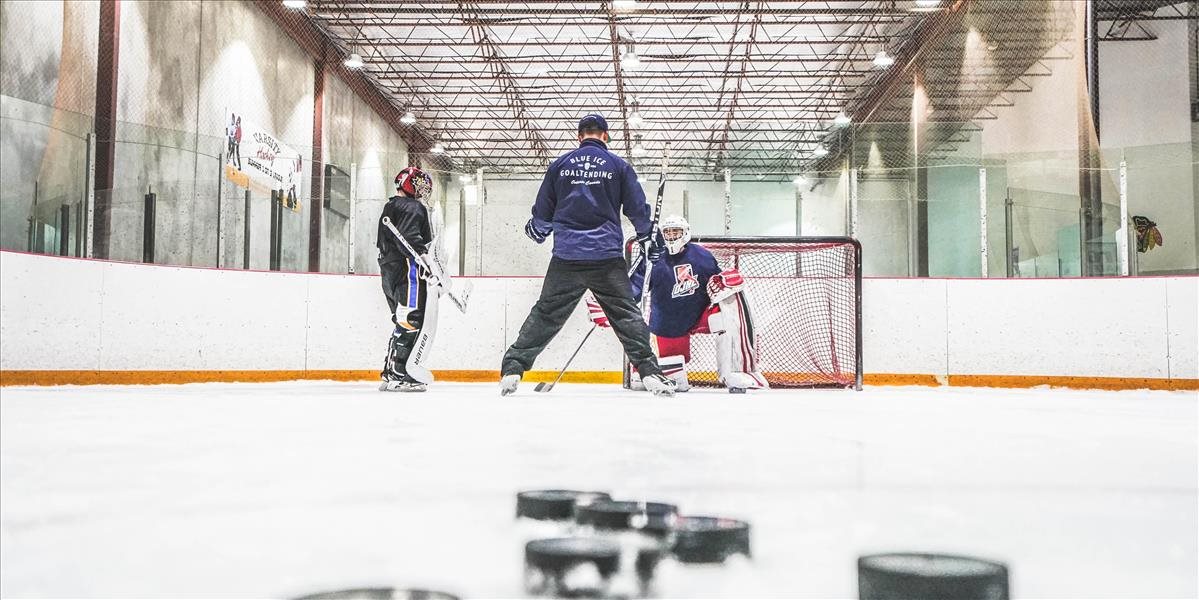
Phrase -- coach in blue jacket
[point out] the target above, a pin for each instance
(580, 201)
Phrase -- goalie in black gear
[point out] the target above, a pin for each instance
(404, 281)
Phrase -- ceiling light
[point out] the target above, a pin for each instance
(624, 4)
(408, 118)
(354, 61)
(927, 3)
(820, 151)
(799, 180)
(841, 120)
(635, 120)
(630, 61)
(638, 148)
(760, 176)
(437, 148)
(883, 60)
(992, 46)
(295, 3)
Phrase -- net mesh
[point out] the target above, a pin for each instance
(803, 297)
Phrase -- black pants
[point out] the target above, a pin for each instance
(565, 282)
(402, 285)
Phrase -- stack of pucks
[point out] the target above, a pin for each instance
(709, 539)
(930, 576)
(571, 567)
(653, 518)
(554, 505)
(380, 594)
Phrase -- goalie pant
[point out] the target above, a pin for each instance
(406, 291)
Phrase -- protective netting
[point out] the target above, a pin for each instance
(804, 297)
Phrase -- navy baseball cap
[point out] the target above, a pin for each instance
(593, 121)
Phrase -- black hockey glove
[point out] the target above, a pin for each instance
(535, 234)
(654, 244)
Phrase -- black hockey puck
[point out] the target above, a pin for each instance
(930, 577)
(656, 518)
(380, 594)
(570, 566)
(553, 505)
(709, 539)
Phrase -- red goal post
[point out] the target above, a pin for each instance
(804, 296)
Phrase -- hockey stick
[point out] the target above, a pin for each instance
(545, 387)
(459, 300)
(653, 224)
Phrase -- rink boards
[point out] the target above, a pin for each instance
(86, 321)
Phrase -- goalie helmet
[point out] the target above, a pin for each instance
(679, 233)
(414, 182)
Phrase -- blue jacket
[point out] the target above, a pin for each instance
(581, 199)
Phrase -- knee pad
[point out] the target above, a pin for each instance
(408, 319)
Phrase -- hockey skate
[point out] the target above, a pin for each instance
(402, 386)
(659, 385)
(508, 384)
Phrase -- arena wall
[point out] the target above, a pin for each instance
(74, 321)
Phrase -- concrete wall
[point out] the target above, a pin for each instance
(280, 321)
(47, 97)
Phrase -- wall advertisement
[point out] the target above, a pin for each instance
(254, 157)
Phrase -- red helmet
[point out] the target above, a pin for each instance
(414, 182)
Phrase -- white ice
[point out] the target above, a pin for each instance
(277, 490)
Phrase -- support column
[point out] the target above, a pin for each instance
(919, 124)
(105, 123)
(316, 204)
(1089, 185)
(982, 223)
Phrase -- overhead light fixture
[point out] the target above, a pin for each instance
(760, 176)
(630, 61)
(883, 60)
(842, 119)
(799, 180)
(635, 120)
(295, 3)
(820, 151)
(927, 5)
(638, 148)
(408, 118)
(354, 61)
(437, 148)
(624, 4)
(992, 46)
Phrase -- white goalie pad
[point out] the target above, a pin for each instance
(424, 340)
(736, 356)
(675, 367)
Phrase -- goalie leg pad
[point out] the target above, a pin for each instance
(423, 345)
(736, 355)
(675, 367)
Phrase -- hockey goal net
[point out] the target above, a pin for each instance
(804, 296)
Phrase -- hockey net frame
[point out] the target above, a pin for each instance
(790, 280)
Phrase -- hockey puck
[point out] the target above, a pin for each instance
(655, 518)
(709, 539)
(553, 505)
(570, 566)
(930, 576)
(380, 594)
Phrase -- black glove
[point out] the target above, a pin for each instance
(535, 234)
(654, 244)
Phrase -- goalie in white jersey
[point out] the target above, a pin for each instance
(690, 294)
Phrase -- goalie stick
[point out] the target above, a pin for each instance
(458, 298)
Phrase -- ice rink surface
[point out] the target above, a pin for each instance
(277, 490)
